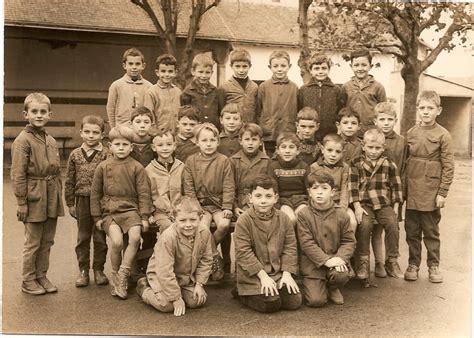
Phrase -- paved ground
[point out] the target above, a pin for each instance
(395, 307)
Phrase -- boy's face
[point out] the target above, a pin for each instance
(321, 193)
(305, 129)
(361, 67)
(263, 199)
(320, 71)
(186, 127)
(141, 124)
(37, 114)
(240, 69)
(134, 66)
(231, 122)
(187, 223)
(427, 112)
(373, 147)
(120, 148)
(202, 74)
(91, 134)
(166, 73)
(279, 68)
(332, 152)
(207, 142)
(348, 126)
(288, 151)
(250, 143)
(385, 122)
(164, 146)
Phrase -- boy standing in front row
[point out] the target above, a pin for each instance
(266, 252)
(327, 243)
(181, 262)
(429, 174)
(37, 187)
(79, 174)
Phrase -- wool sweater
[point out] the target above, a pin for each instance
(204, 98)
(143, 154)
(290, 176)
(232, 92)
(164, 103)
(310, 150)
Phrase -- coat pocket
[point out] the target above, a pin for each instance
(34, 190)
(433, 175)
(432, 144)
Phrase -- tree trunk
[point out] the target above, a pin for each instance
(305, 52)
(412, 85)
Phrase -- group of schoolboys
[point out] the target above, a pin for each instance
(305, 173)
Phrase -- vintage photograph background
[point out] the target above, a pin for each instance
(71, 51)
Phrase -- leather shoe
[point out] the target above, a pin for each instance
(83, 279)
(100, 277)
(46, 284)
(32, 287)
(336, 297)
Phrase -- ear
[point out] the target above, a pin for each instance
(25, 114)
(289, 65)
(153, 147)
(157, 72)
(333, 192)
(317, 125)
(269, 66)
(124, 65)
(109, 144)
(102, 135)
(144, 65)
(440, 109)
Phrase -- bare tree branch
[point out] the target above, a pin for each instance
(145, 5)
(213, 4)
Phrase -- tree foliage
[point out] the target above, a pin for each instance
(165, 15)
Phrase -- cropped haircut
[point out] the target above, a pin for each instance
(252, 128)
(167, 60)
(202, 60)
(429, 95)
(385, 108)
(93, 119)
(232, 108)
(160, 132)
(347, 112)
(190, 112)
(288, 136)
(263, 181)
(206, 126)
(374, 133)
(320, 176)
(307, 113)
(186, 204)
(241, 55)
(279, 54)
(38, 98)
(132, 52)
(364, 52)
(141, 110)
(121, 132)
(318, 59)
(333, 138)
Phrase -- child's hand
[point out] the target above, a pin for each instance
(72, 211)
(337, 263)
(291, 286)
(359, 212)
(151, 220)
(179, 307)
(238, 212)
(269, 287)
(440, 201)
(98, 225)
(22, 212)
(199, 294)
(227, 213)
(145, 225)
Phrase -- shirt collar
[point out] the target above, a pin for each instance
(35, 130)
(87, 149)
(391, 134)
(128, 79)
(164, 86)
(327, 82)
(280, 81)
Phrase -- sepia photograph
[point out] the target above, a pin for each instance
(237, 168)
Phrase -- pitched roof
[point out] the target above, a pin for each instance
(244, 22)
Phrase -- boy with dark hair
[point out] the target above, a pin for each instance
(231, 122)
(188, 119)
(348, 125)
(128, 92)
(266, 252)
(321, 94)
(141, 121)
(327, 243)
(162, 98)
(79, 174)
(307, 124)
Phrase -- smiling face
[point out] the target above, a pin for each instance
(348, 126)
(202, 74)
(250, 143)
(187, 223)
(263, 199)
(207, 142)
(37, 114)
(91, 134)
(427, 112)
(305, 129)
(120, 148)
(361, 67)
(288, 151)
(240, 69)
(321, 194)
(166, 74)
(164, 146)
(385, 122)
(373, 147)
(231, 122)
(134, 66)
(332, 152)
(279, 68)
(320, 72)
(141, 124)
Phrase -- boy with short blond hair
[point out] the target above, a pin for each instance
(321, 94)
(81, 167)
(276, 100)
(37, 186)
(181, 262)
(188, 119)
(348, 126)
(162, 98)
(200, 93)
(239, 88)
(231, 122)
(375, 193)
(128, 92)
(307, 124)
(429, 174)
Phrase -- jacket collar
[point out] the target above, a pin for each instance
(200, 88)
(128, 79)
(274, 222)
(241, 155)
(326, 82)
(321, 162)
(280, 81)
(158, 166)
(223, 134)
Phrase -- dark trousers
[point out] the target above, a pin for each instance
(225, 247)
(387, 219)
(315, 290)
(268, 304)
(86, 230)
(426, 223)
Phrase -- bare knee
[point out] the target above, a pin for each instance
(116, 243)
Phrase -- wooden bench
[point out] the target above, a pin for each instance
(62, 131)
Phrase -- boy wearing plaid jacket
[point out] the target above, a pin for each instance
(375, 193)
